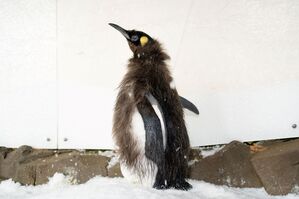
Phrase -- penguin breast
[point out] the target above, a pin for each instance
(138, 124)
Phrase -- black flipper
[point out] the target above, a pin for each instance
(177, 140)
(188, 105)
(154, 149)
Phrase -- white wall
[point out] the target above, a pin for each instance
(236, 60)
(28, 111)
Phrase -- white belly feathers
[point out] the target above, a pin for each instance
(145, 170)
(138, 125)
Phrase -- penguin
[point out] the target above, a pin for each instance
(148, 122)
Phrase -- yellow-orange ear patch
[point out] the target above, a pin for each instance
(143, 40)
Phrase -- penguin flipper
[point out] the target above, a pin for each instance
(188, 105)
(154, 149)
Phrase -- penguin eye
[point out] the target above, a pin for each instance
(134, 38)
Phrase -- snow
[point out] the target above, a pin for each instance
(110, 154)
(205, 152)
(107, 153)
(60, 186)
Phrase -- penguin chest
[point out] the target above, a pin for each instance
(138, 128)
(145, 170)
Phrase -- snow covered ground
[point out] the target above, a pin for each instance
(117, 188)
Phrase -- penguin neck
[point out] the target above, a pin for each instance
(151, 66)
(152, 52)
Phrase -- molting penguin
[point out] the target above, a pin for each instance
(148, 122)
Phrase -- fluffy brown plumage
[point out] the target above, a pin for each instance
(147, 74)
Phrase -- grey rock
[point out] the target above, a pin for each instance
(35, 155)
(10, 161)
(195, 155)
(114, 171)
(80, 168)
(25, 174)
(278, 167)
(230, 166)
(4, 151)
(34, 166)
(3, 154)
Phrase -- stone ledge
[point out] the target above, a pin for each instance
(230, 166)
(278, 167)
(235, 165)
(32, 166)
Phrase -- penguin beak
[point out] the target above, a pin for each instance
(121, 30)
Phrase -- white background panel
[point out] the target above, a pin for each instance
(239, 62)
(28, 73)
(236, 60)
(92, 58)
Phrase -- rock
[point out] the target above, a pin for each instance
(79, 167)
(34, 166)
(25, 174)
(24, 150)
(10, 161)
(195, 155)
(3, 154)
(35, 155)
(114, 171)
(4, 151)
(278, 167)
(230, 166)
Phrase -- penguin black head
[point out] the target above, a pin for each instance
(137, 40)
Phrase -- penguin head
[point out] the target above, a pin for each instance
(138, 41)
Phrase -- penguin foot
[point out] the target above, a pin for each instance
(182, 185)
(160, 185)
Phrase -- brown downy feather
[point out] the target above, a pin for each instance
(148, 73)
